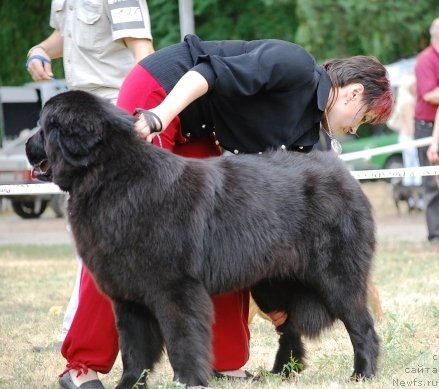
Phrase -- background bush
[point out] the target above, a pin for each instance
(387, 29)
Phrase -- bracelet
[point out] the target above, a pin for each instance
(33, 48)
(39, 57)
(152, 120)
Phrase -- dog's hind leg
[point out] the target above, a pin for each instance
(185, 313)
(307, 316)
(351, 308)
(290, 353)
(140, 342)
(365, 342)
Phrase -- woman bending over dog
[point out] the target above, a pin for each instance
(205, 98)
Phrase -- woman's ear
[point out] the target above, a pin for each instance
(356, 91)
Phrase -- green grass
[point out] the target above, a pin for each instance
(36, 282)
(37, 251)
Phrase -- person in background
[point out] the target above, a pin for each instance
(99, 41)
(427, 102)
(402, 121)
(433, 150)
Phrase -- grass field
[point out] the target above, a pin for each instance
(36, 282)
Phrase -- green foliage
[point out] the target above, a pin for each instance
(140, 383)
(251, 19)
(24, 24)
(164, 22)
(390, 29)
(37, 251)
(293, 367)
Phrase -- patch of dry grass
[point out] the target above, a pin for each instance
(36, 282)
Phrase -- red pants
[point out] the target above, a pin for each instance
(92, 341)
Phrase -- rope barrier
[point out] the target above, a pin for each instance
(50, 188)
(366, 154)
(29, 189)
(393, 173)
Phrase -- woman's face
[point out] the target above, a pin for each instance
(349, 110)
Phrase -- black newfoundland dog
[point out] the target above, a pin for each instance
(162, 233)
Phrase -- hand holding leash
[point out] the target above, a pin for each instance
(39, 64)
(148, 124)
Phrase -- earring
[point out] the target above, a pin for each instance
(347, 101)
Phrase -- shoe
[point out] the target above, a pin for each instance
(224, 376)
(66, 382)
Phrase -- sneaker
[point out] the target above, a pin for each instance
(66, 382)
(234, 375)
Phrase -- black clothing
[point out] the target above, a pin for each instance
(424, 129)
(262, 94)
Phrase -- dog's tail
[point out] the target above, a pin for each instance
(307, 312)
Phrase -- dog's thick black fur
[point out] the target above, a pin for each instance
(161, 233)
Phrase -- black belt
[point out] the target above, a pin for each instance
(425, 123)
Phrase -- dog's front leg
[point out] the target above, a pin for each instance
(184, 310)
(140, 342)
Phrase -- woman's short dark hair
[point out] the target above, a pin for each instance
(369, 72)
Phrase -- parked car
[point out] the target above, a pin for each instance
(370, 137)
(20, 108)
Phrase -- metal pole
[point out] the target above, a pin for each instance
(186, 12)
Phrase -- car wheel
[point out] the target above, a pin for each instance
(29, 209)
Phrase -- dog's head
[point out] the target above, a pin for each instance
(72, 127)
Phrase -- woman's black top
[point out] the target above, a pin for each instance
(263, 94)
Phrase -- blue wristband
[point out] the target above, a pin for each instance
(39, 57)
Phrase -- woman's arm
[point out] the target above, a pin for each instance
(50, 48)
(189, 88)
(433, 150)
(432, 97)
(139, 47)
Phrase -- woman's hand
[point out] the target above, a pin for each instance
(39, 64)
(189, 88)
(39, 57)
(433, 153)
(277, 317)
(148, 124)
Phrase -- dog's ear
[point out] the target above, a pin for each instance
(75, 122)
(76, 147)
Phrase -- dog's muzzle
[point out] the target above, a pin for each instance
(42, 171)
(36, 155)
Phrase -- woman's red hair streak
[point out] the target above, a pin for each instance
(372, 74)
